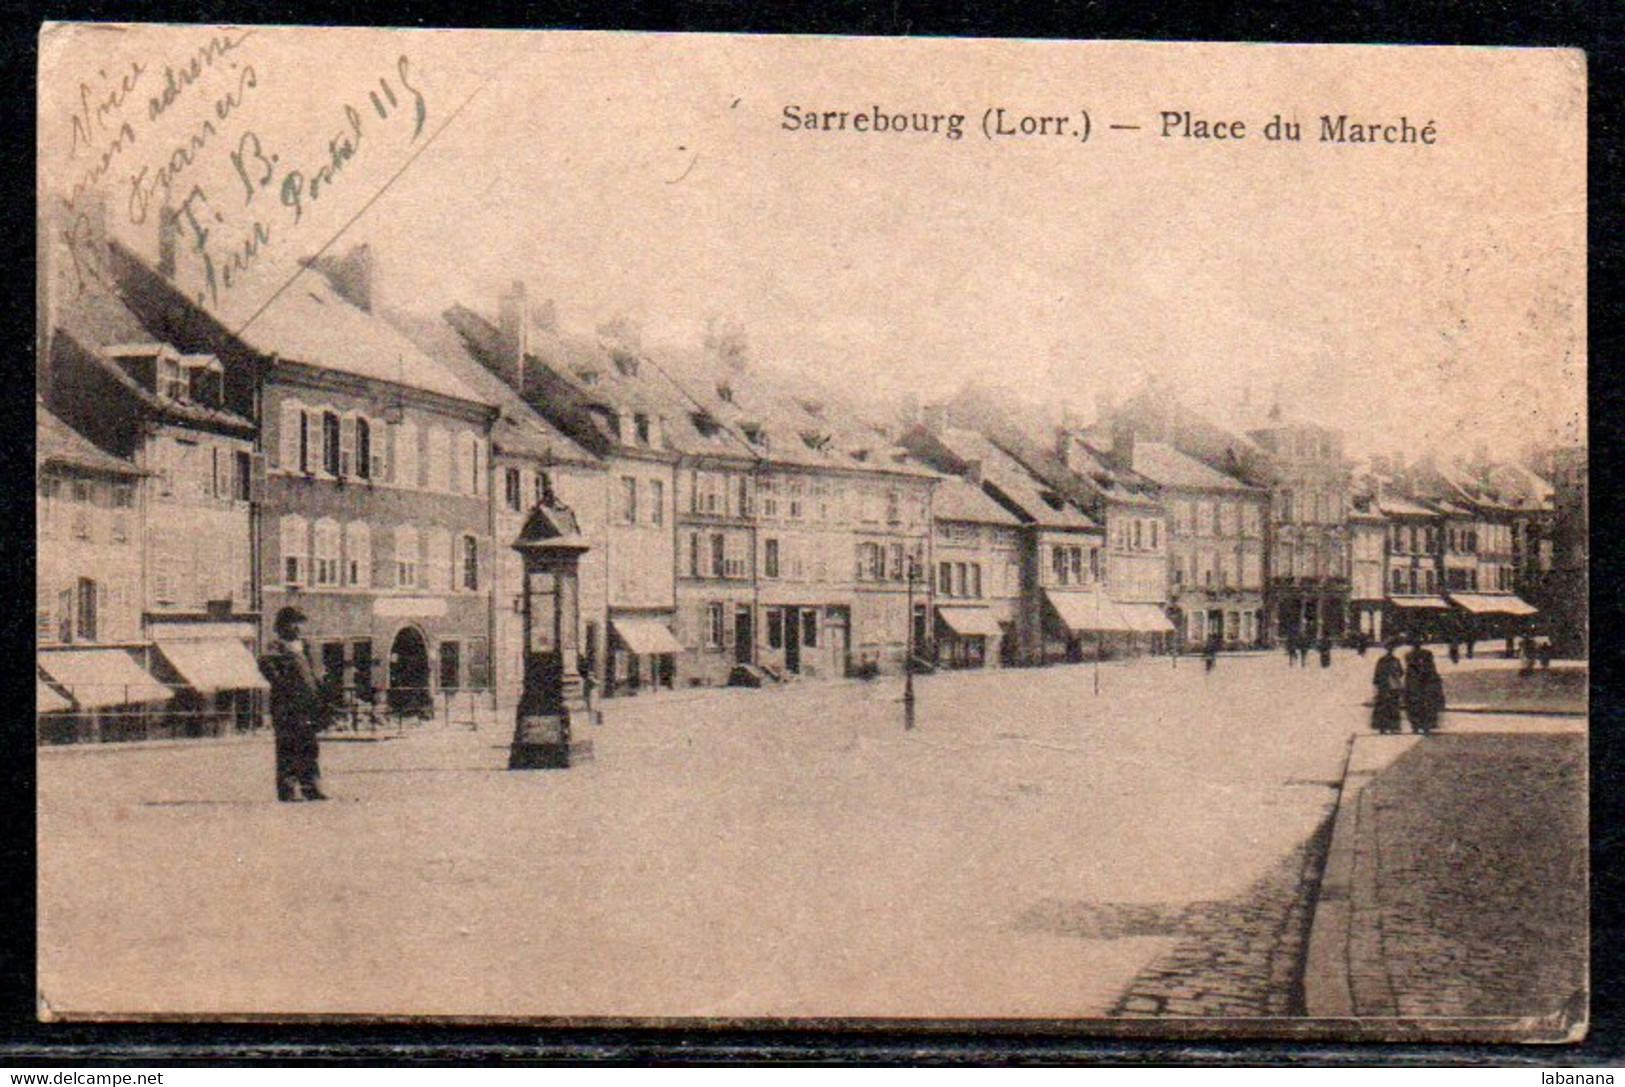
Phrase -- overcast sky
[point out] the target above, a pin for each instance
(1416, 295)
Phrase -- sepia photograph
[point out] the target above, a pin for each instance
(577, 527)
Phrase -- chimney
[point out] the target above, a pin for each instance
(1063, 445)
(169, 229)
(973, 472)
(513, 322)
(1122, 455)
(353, 276)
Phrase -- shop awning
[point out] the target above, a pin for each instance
(1419, 602)
(1491, 604)
(102, 677)
(1084, 613)
(46, 700)
(646, 637)
(969, 622)
(214, 664)
(1146, 618)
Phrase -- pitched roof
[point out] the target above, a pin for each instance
(1036, 501)
(55, 442)
(958, 500)
(313, 324)
(98, 318)
(1393, 505)
(1168, 467)
(518, 428)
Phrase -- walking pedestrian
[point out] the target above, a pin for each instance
(1325, 651)
(1455, 651)
(1545, 652)
(1388, 683)
(1291, 649)
(1424, 690)
(1210, 653)
(1362, 642)
(1471, 642)
(1527, 649)
(297, 710)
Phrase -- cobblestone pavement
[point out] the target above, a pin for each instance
(1241, 957)
(1470, 880)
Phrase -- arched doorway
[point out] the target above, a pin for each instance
(409, 672)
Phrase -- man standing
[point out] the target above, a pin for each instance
(296, 710)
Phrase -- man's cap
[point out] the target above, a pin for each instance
(289, 614)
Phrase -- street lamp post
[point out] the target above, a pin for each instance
(908, 655)
(550, 547)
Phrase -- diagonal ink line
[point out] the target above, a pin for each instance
(410, 159)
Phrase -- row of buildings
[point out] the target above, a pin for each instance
(372, 467)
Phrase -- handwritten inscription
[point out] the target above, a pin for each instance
(277, 190)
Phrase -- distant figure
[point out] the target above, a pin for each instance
(1455, 651)
(1389, 691)
(1424, 690)
(1291, 649)
(1362, 642)
(1471, 642)
(1510, 651)
(298, 709)
(1210, 653)
(1325, 651)
(1527, 648)
(1545, 654)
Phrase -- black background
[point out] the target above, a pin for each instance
(1594, 27)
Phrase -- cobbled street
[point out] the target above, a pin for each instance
(1031, 849)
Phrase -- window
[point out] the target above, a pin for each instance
(476, 465)
(640, 423)
(406, 556)
(327, 552)
(1428, 580)
(347, 465)
(809, 628)
(1094, 564)
(872, 564)
(775, 628)
(357, 554)
(1155, 528)
(242, 476)
(627, 511)
(363, 448)
(86, 613)
(64, 615)
(768, 489)
(797, 507)
(295, 550)
(408, 471)
(897, 562)
(719, 555)
(471, 563)
(714, 622)
(694, 554)
(945, 578)
(770, 558)
(975, 583)
(1138, 543)
(657, 502)
(511, 493)
(894, 507)
(330, 443)
(1075, 564)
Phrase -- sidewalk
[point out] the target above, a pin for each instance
(1455, 885)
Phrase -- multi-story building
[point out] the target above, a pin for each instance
(1063, 612)
(1415, 561)
(375, 520)
(93, 660)
(1215, 548)
(1309, 483)
(164, 411)
(1571, 551)
(529, 457)
(976, 559)
(1368, 564)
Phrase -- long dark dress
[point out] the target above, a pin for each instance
(1424, 690)
(1389, 684)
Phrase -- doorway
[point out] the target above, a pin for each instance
(744, 636)
(409, 672)
(792, 640)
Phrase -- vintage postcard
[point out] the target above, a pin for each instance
(601, 528)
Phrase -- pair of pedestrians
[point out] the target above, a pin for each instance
(1413, 687)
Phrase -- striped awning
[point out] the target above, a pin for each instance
(1087, 613)
(97, 678)
(214, 664)
(1420, 602)
(646, 637)
(969, 622)
(1492, 604)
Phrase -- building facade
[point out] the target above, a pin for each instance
(1216, 549)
